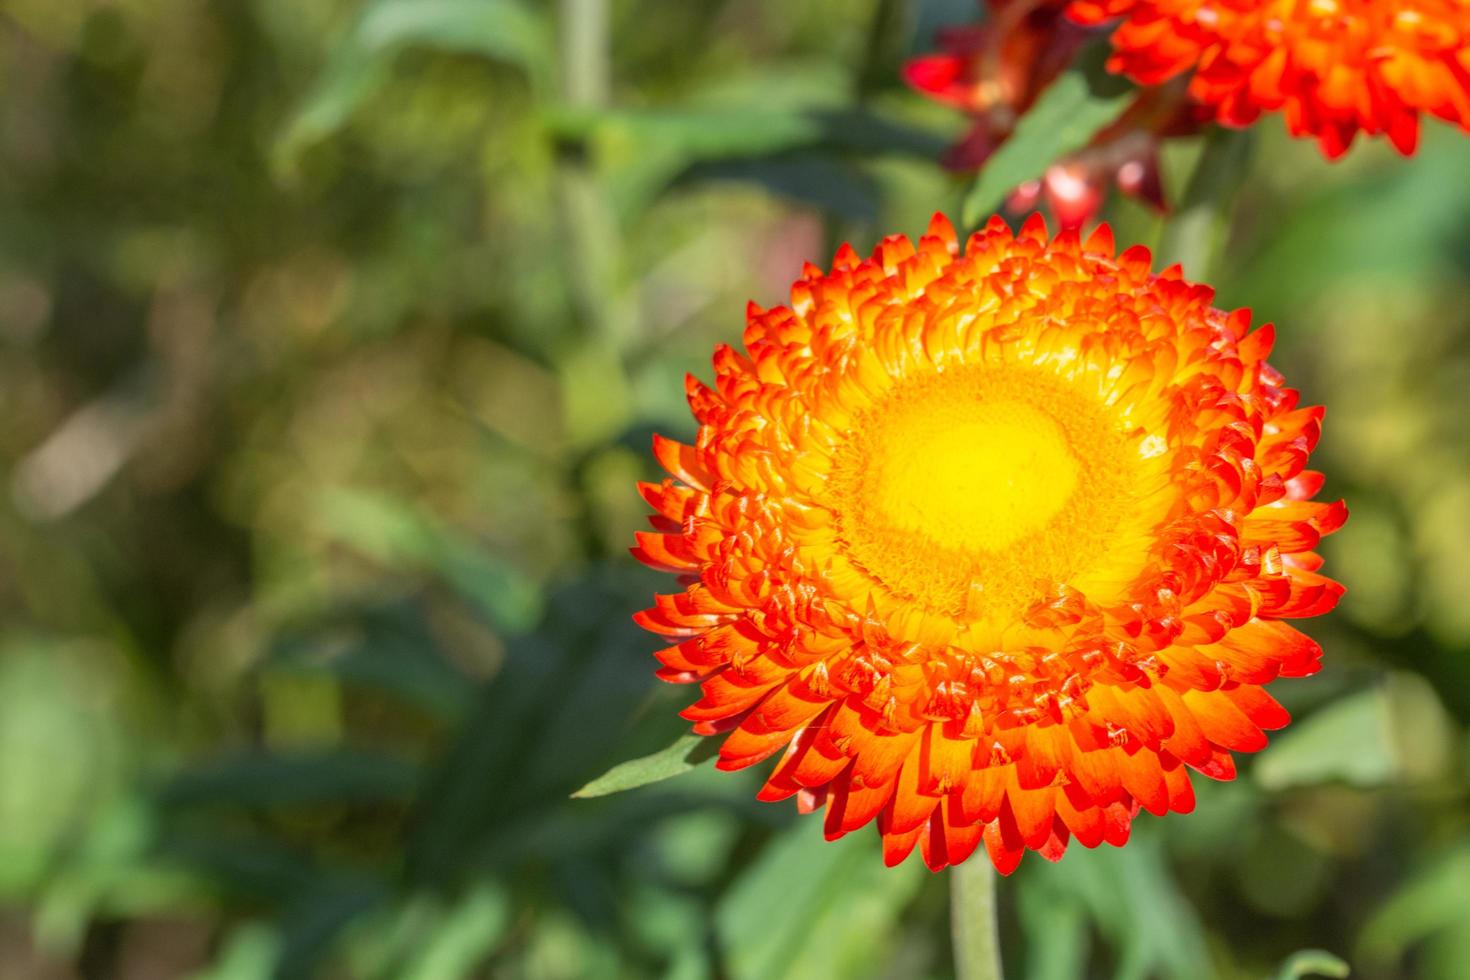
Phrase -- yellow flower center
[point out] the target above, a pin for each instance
(978, 475)
(973, 490)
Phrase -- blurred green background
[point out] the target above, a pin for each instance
(331, 339)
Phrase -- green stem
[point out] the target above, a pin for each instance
(972, 920)
(1194, 235)
(585, 62)
(596, 399)
(886, 35)
(588, 227)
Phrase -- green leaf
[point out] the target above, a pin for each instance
(480, 782)
(316, 918)
(643, 150)
(503, 30)
(254, 779)
(463, 938)
(1394, 732)
(1392, 225)
(1344, 741)
(1131, 897)
(1432, 900)
(1311, 963)
(809, 177)
(248, 865)
(110, 871)
(250, 952)
(1065, 118)
(1194, 234)
(687, 754)
(388, 647)
(814, 908)
(396, 531)
(1056, 930)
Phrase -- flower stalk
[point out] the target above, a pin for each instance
(972, 920)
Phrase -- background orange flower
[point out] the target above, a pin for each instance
(990, 545)
(1333, 68)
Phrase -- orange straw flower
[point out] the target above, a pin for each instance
(1333, 67)
(992, 545)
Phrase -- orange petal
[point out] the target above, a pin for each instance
(1223, 723)
(1143, 778)
(1003, 843)
(682, 462)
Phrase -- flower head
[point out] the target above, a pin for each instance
(1333, 67)
(993, 545)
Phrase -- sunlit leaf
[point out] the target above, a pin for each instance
(688, 753)
(110, 872)
(810, 908)
(57, 735)
(1131, 897)
(1395, 731)
(463, 937)
(250, 952)
(1311, 963)
(1064, 119)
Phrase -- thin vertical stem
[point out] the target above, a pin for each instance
(590, 235)
(592, 412)
(1194, 235)
(585, 59)
(972, 920)
(888, 31)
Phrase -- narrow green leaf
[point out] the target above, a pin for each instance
(811, 908)
(1311, 963)
(463, 938)
(254, 779)
(502, 30)
(644, 150)
(688, 753)
(317, 917)
(1056, 929)
(1195, 233)
(389, 647)
(248, 952)
(1132, 898)
(1063, 120)
(399, 532)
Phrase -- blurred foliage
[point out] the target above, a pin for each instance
(331, 337)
